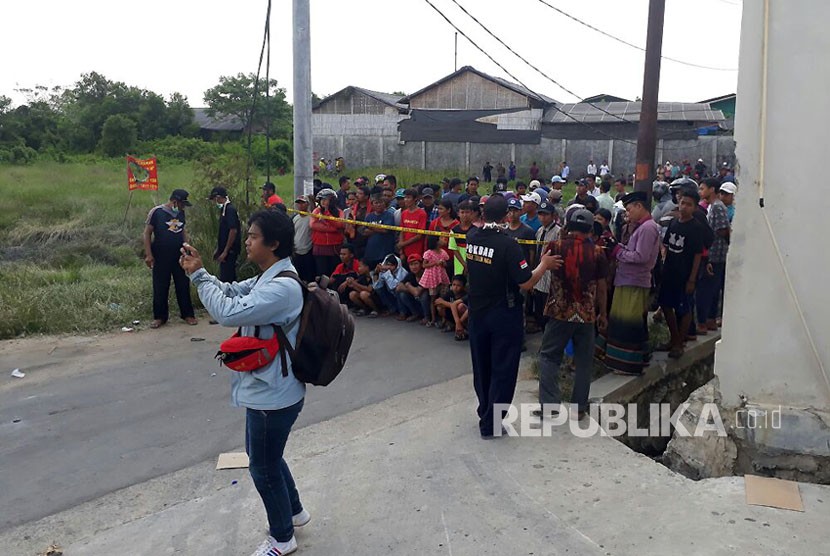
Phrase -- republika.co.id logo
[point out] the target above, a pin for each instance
(610, 419)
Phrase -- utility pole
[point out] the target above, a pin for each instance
(302, 99)
(456, 53)
(647, 132)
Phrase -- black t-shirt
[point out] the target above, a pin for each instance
(523, 232)
(683, 240)
(227, 222)
(168, 227)
(495, 266)
(411, 279)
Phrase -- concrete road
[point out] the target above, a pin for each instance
(98, 414)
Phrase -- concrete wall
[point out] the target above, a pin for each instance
(373, 141)
(774, 348)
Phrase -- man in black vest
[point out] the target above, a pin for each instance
(164, 235)
(497, 270)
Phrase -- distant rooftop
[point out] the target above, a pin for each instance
(219, 123)
(630, 111)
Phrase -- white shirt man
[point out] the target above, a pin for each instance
(604, 169)
(592, 168)
(565, 171)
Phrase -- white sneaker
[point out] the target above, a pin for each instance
(301, 519)
(271, 547)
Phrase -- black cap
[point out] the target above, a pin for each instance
(269, 186)
(180, 195)
(217, 192)
(495, 209)
(546, 207)
(427, 192)
(635, 197)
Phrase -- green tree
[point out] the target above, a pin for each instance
(118, 135)
(180, 117)
(234, 96)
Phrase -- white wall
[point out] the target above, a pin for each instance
(771, 313)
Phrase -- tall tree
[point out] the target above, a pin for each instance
(234, 96)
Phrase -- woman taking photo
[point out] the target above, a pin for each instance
(326, 235)
(272, 400)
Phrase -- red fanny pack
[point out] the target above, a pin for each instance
(247, 353)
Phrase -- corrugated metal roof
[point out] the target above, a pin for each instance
(219, 123)
(503, 82)
(630, 111)
(386, 98)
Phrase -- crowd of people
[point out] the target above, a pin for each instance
(488, 266)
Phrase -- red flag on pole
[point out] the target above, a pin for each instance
(142, 174)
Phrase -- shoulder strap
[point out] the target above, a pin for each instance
(285, 345)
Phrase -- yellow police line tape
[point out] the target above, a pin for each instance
(398, 228)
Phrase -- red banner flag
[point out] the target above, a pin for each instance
(142, 174)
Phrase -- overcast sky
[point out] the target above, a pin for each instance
(384, 45)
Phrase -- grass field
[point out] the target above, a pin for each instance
(70, 262)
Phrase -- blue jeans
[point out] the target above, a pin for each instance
(557, 335)
(388, 299)
(266, 433)
(409, 305)
(426, 303)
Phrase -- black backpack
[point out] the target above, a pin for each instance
(325, 336)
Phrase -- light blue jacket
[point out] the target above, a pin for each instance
(258, 302)
(390, 280)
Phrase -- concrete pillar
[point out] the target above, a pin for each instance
(423, 155)
(380, 151)
(659, 153)
(714, 162)
(611, 154)
(513, 152)
(340, 144)
(467, 156)
(562, 156)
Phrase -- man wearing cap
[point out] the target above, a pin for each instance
(497, 270)
(303, 258)
(530, 204)
(547, 232)
(582, 197)
(556, 182)
(164, 234)
(229, 241)
(577, 300)
(727, 197)
(700, 168)
(555, 201)
(626, 341)
(269, 195)
(428, 205)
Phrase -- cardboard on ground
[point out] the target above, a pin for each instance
(232, 460)
(774, 493)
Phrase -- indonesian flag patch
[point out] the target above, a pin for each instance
(523, 264)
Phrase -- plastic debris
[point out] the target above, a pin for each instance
(197, 339)
(136, 322)
(127, 329)
(17, 373)
(234, 482)
(212, 374)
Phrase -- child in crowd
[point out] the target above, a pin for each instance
(456, 302)
(435, 272)
(410, 293)
(390, 272)
(361, 292)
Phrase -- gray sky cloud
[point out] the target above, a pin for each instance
(385, 45)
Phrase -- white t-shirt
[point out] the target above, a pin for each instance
(592, 169)
(565, 171)
(604, 169)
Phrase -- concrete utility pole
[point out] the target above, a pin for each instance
(647, 132)
(302, 99)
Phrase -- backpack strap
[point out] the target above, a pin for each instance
(285, 345)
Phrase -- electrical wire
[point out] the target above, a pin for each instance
(564, 113)
(631, 44)
(265, 41)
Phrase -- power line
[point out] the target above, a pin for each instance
(632, 45)
(505, 70)
(519, 81)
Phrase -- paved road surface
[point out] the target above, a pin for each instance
(99, 414)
